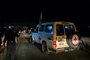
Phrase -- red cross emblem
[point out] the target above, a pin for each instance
(39, 39)
(75, 38)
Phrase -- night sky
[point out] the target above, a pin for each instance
(21, 12)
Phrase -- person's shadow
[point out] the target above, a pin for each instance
(2, 50)
(10, 53)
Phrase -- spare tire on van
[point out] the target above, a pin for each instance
(73, 40)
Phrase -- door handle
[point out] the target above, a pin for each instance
(49, 38)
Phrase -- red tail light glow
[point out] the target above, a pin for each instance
(54, 42)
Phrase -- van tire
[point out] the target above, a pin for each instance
(70, 41)
(44, 47)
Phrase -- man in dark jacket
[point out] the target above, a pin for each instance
(11, 44)
(0, 38)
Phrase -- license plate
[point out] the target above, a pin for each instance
(61, 43)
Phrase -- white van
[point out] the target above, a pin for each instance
(56, 36)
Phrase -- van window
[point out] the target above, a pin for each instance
(59, 30)
(41, 28)
(49, 29)
(69, 29)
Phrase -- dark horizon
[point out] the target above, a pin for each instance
(20, 13)
(80, 20)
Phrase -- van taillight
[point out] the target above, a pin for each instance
(54, 42)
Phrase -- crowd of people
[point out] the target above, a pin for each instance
(9, 35)
(11, 32)
(8, 41)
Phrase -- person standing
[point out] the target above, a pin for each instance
(1, 35)
(11, 44)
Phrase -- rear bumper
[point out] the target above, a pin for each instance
(65, 49)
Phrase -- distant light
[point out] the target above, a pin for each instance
(9, 27)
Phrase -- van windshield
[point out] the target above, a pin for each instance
(69, 29)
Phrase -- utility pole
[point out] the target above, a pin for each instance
(40, 20)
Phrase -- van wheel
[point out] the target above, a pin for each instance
(44, 47)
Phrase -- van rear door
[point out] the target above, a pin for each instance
(59, 36)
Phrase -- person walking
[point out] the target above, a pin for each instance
(11, 44)
(1, 35)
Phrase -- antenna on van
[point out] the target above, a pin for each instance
(40, 20)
